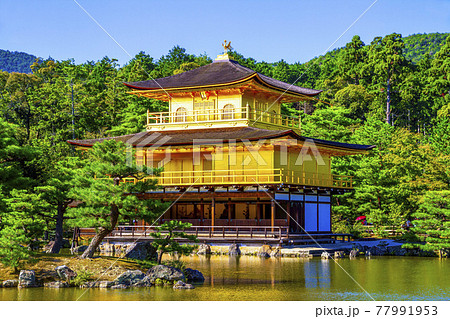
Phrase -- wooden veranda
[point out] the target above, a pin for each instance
(248, 235)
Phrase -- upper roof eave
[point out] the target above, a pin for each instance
(206, 76)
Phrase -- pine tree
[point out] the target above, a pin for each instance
(106, 198)
(166, 235)
(433, 220)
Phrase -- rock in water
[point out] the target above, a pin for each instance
(276, 252)
(119, 287)
(204, 249)
(129, 277)
(234, 250)
(65, 273)
(27, 279)
(143, 283)
(325, 255)
(107, 249)
(105, 284)
(182, 285)
(56, 284)
(264, 251)
(338, 254)
(141, 251)
(304, 254)
(193, 275)
(10, 283)
(164, 272)
(353, 253)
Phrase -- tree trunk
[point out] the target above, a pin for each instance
(388, 103)
(59, 229)
(98, 238)
(160, 254)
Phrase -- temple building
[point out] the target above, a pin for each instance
(237, 161)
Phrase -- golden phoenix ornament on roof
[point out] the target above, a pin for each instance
(226, 46)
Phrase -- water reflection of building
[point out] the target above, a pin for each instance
(317, 274)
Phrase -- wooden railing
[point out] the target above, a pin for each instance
(215, 116)
(250, 177)
(134, 232)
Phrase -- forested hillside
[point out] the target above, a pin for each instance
(417, 46)
(372, 94)
(13, 61)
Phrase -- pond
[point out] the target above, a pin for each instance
(254, 278)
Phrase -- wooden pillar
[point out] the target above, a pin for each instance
(202, 209)
(288, 211)
(194, 212)
(272, 213)
(176, 211)
(229, 210)
(213, 212)
(258, 210)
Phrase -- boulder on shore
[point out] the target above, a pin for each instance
(164, 272)
(27, 279)
(129, 278)
(141, 251)
(182, 285)
(193, 275)
(65, 273)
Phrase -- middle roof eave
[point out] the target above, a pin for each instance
(213, 136)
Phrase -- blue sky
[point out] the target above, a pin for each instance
(265, 30)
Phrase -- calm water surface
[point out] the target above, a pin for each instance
(253, 278)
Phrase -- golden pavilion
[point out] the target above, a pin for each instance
(231, 160)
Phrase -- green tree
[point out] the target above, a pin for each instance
(105, 196)
(433, 220)
(387, 62)
(15, 160)
(13, 250)
(166, 235)
(353, 57)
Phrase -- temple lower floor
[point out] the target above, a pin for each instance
(297, 212)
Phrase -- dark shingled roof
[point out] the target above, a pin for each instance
(212, 136)
(216, 73)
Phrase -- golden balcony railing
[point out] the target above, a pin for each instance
(221, 116)
(250, 177)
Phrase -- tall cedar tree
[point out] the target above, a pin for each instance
(105, 197)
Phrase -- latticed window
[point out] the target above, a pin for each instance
(204, 110)
(180, 115)
(228, 112)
